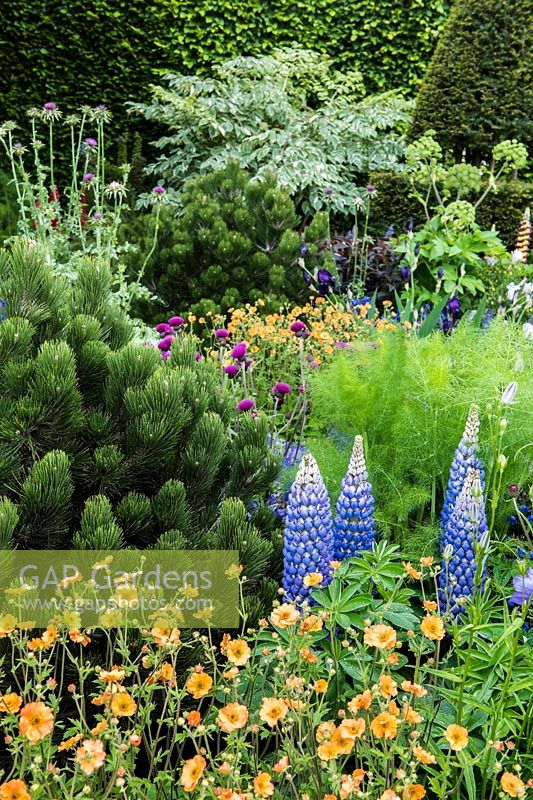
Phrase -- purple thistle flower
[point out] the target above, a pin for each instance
(222, 334)
(102, 107)
(239, 351)
(160, 190)
(246, 405)
(308, 540)
(49, 106)
(281, 389)
(97, 215)
(371, 187)
(163, 327)
(165, 354)
(199, 357)
(88, 177)
(465, 457)
(90, 142)
(166, 343)
(353, 529)
(231, 370)
(523, 588)
(298, 327)
(176, 322)
(466, 526)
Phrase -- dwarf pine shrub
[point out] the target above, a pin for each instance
(105, 445)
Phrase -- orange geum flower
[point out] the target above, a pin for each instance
(343, 741)
(284, 615)
(66, 744)
(238, 652)
(360, 701)
(308, 655)
(313, 579)
(411, 716)
(384, 726)
(325, 730)
(78, 637)
(353, 727)
(414, 791)
(281, 765)
(114, 675)
(199, 684)
(230, 674)
(381, 636)
(232, 717)
(393, 709)
(433, 628)
(388, 686)
(90, 755)
(320, 686)
(423, 756)
(430, 605)
(193, 718)
(389, 794)
(295, 682)
(192, 771)
(99, 728)
(311, 624)
(123, 705)
(10, 703)
(350, 784)
(14, 790)
(414, 688)
(328, 750)
(427, 561)
(456, 736)
(36, 721)
(273, 709)
(163, 635)
(392, 658)
(411, 571)
(263, 785)
(512, 785)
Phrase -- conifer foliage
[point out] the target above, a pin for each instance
(105, 445)
(475, 92)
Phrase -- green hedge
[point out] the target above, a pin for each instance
(477, 90)
(391, 205)
(74, 51)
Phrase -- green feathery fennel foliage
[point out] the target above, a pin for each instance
(409, 398)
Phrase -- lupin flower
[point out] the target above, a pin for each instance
(353, 529)
(308, 542)
(465, 533)
(465, 456)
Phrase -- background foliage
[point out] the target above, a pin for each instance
(111, 50)
(477, 88)
(286, 112)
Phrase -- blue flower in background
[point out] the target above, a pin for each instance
(354, 528)
(466, 527)
(465, 457)
(523, 588)
(308, 542)
(2, 309)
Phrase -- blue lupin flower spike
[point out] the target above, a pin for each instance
(465, 457)
(308, 542)
(465, 532)
(354, 529)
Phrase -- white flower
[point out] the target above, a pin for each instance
(527, 328)
(509, 394)
(516, 256)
